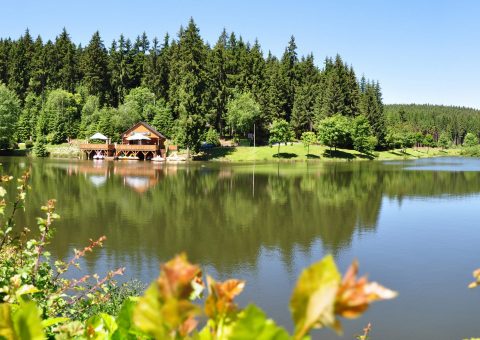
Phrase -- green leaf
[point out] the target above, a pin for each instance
(147, 315)
(252, 323)
(27, 322)
(101, 326)
(7, 330)
(313, 299)
(124, 321)
(53, 321)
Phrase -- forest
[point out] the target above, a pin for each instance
(57, 91)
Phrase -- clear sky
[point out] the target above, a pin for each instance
(420, 51)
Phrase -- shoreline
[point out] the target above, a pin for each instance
(293, 153)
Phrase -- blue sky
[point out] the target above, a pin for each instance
(420, 51)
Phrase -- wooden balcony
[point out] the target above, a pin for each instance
(138, 148)
(97, 147)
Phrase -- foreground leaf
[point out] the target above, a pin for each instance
(100, 326)
(7, 330)
(124, 321)
(148, 315)
(27, 322)
(252, 323)
(53, 321)
(313, 299)
(355, 295)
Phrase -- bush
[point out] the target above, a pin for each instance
(470, 140)
(40, 149)
(212, 137)
(444, 141)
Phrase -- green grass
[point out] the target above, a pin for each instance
(290, 152)
(64, 150)
(297, 152)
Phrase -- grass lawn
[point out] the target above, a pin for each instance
(64, 150)
(297, 152)
(290, 152)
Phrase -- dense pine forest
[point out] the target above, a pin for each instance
(57, 91)
(450, 121)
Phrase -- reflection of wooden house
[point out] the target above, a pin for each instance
(141, 141)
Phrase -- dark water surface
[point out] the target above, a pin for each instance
(414, 226)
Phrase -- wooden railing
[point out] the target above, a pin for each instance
(126, 147)
(97, 147)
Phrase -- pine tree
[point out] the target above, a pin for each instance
(289, 64)
(67, 62)
(219, 92)
(5, 47)
(306, 94)
(40, 149)
(156, 68)
(94, 63)
(188, 81)
(20, 64)
(372, 108)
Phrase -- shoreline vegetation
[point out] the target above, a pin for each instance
(292, 152)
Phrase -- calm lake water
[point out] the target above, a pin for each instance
(414, 226)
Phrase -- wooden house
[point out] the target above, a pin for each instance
(142, 141)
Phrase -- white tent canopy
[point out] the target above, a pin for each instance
(138, 136)
(98, 135)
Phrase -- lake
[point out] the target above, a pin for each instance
(414, 227)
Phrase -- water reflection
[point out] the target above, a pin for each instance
(155, 211)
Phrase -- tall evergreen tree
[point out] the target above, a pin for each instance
(5, 46)
(67, 62)
(289, 73)
(156, 68)
(20, 64)
(218, 81)
(94, 63)
(188, 81)
(372, 108)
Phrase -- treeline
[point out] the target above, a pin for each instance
(453, 123)
(182, 86)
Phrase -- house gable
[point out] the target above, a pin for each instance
(142, 127)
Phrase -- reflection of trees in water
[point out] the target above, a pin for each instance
(218, 216)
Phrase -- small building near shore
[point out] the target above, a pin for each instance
(141, 141)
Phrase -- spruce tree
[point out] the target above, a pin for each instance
(372, 108)
(289, 74)
(5, 46)
(94, 63)
(39, 148)
(67, 62)
(156, 68)
(218, 81)
(20, 64)
(188, 82)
